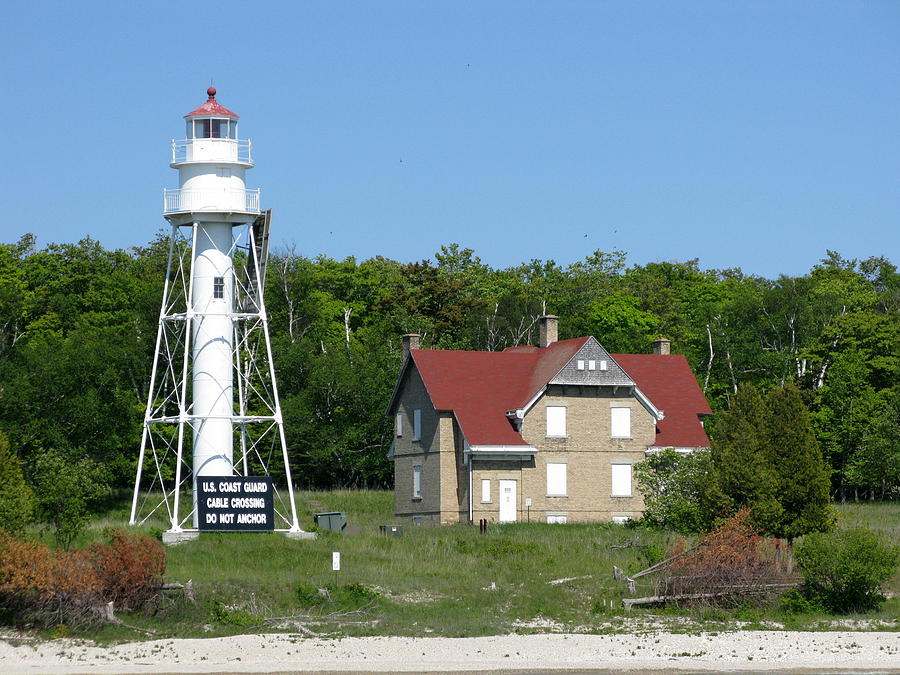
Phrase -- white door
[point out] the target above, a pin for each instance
(507, 501)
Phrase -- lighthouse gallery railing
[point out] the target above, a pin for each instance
(211, 199)
(212, 149)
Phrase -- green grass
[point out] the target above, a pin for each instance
(449, 581)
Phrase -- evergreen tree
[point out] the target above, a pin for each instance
(16, 501)
(765, 456)
(801, 478)
(740, 476)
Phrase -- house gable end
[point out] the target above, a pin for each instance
(408, 372)
(592, 351)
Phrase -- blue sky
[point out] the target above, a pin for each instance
(746, 134)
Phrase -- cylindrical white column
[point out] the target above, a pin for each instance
(213, 300)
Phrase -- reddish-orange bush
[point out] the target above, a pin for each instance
(733, 563)
(129, 568)
(47, 587)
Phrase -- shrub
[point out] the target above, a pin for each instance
(308, 596)
(843, 570)
(129, 568)
(65, 487)
(16, 500)
(671, 485)
(794, 602)
(732, 565)
(46, 587)
(235, 616)
(345, 597)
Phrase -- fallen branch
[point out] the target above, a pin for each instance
(295, 623)
(736, 591)
(187, 588)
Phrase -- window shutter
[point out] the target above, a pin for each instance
(417, 481)
(556, 420)
(486, 490)
(621, 480)
(620, 422)
(556, 480)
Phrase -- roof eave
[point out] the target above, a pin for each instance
(497, 450)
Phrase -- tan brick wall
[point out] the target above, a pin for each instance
(588, 452)
(409, 452)
(435, 452)
(495, 471)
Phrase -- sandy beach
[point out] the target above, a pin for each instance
(651, 652)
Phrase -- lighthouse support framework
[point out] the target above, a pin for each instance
(165, 473)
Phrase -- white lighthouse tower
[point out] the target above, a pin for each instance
(213, 382)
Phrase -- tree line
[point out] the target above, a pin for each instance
(78, 326)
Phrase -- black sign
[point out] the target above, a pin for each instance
(235, 503)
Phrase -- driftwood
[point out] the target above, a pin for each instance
(294, 621)
(766, 589)
(109, 614)
(619, 575)
(725, 565)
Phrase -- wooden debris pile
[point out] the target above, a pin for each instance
(729, 566)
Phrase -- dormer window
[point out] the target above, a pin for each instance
(211, 128)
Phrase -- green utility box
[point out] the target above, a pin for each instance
(333, 521)
(391, 530)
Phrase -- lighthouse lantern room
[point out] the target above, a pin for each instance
(213, 395)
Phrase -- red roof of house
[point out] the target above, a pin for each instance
(669, 382)
(212, 108)
(480, 387)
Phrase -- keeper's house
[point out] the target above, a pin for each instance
(547, 433)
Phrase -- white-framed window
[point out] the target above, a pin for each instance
(398, 424)
(621, 520)
(556, 480)
(603, 365)
(485, 490)
(592, 365)
(561, 520)
(580, 364)
(417, 424)
(621, 480)
(218, 288)
(556, 420)
(620, 423)
(417, 481)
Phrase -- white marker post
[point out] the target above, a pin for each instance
(336, 561)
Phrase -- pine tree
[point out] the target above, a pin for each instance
(739, 473)
(765, 457)
(801, 478)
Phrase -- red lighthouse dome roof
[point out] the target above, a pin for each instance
(212, 108)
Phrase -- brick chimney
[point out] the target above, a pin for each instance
(662, 345)
(410, 342)
(549, 330)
